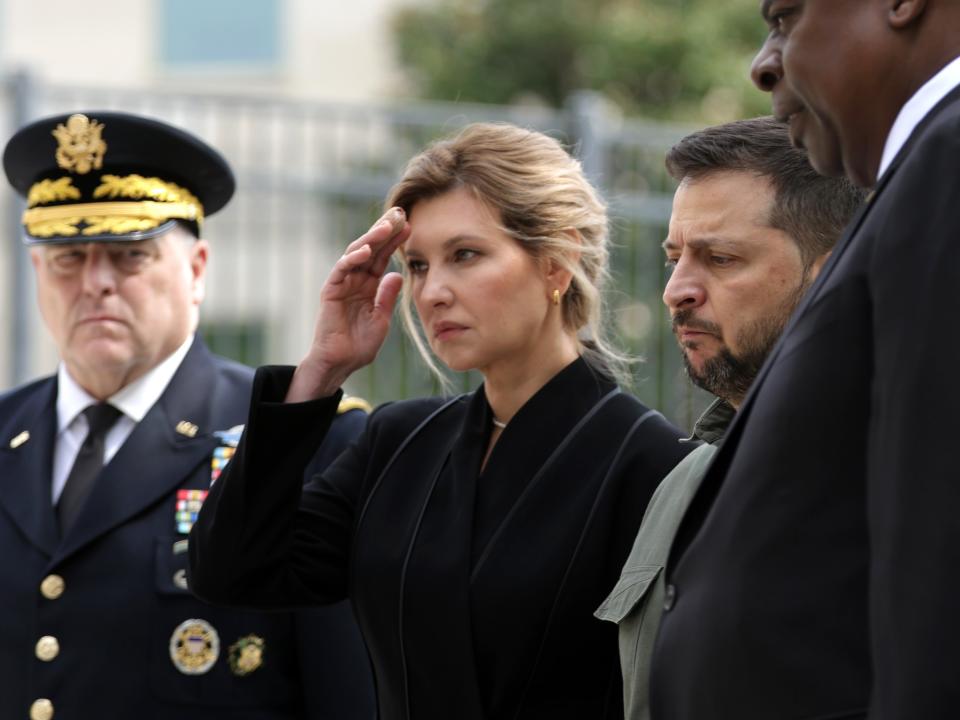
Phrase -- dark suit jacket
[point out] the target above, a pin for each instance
(474, 591)
(815, 575)
(121, 601)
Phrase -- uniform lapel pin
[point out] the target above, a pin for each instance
(246, 655)
(194, 646)
(19, 440)
(185, 427)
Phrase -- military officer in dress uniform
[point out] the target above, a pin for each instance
(104, 466)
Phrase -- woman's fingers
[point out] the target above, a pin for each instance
(381, 258)
(390, 223)
(387, 293)
(371, 252)
(349, 263)
(370, 257)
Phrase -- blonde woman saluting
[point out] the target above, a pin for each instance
(474, 535)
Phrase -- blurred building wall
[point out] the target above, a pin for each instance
(311, 121)
(323, 50)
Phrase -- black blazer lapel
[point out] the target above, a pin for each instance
(410, 562)
(155, 459)
(26, 462)
(436, 578)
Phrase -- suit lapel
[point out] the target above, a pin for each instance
(26, 462)
(155, 459)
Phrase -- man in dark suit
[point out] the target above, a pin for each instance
(815, 573)
(104, 466)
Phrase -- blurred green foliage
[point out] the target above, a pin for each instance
(681, 60)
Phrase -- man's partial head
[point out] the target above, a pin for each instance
(752, 224)
(115, 203)
(840, 70)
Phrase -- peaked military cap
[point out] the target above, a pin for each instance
(109, 176)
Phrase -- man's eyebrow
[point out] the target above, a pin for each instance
(701, 243)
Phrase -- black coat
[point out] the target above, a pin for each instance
(815, 574)
(475, 592)
(123, 592)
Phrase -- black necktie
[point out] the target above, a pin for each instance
(88, 464)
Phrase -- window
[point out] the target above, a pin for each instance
(244, 34)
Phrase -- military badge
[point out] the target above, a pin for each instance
(246, 655)
(189, 503)
(80, 145)
(194, 646)
(187, 428)
(229, 439)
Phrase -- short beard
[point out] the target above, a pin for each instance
(730, 376)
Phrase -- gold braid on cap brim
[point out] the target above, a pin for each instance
(168, 202)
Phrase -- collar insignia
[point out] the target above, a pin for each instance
(187, 428)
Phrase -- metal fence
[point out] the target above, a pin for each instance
(312, 176)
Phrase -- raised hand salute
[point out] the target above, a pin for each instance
(356, 304)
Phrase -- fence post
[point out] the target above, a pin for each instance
(19, 94)
(591, 119)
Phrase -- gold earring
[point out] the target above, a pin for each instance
(556, 297)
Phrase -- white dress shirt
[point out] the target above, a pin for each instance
(133, 401)
(916, 109)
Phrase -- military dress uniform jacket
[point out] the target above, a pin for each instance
(474, 590)
(87, 620)
(815, 572)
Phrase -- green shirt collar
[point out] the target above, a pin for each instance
(714, 422)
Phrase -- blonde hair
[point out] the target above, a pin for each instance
(544, 202)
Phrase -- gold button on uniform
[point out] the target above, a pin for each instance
(41, 709)
(52, 587)
(48, 647)
(180, 579)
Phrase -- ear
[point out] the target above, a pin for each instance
(558, 274)
(35, 258)
(198, 269)
(901, 14)
(817, 265)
